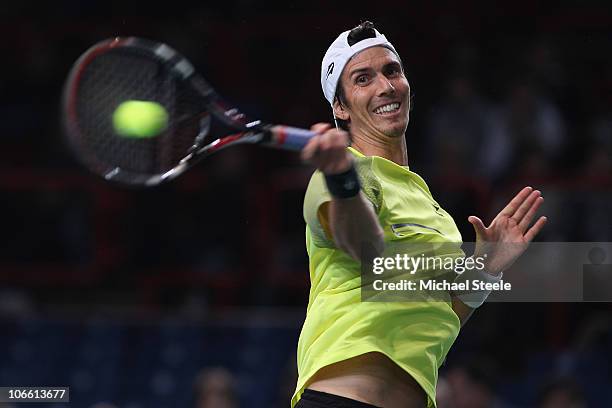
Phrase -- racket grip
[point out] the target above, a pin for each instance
(289, 138)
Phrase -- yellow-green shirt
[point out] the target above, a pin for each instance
(338, 325)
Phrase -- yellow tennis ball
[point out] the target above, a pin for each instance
(140, 119)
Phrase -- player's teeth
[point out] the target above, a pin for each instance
(387, 108)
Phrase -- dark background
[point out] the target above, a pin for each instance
(125, 295)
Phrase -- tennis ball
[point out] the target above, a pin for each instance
(140, 119)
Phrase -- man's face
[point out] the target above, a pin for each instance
(377, 93)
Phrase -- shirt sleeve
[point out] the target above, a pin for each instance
(317, 194)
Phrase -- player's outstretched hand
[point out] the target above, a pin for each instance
(509, 234)
(327, 150)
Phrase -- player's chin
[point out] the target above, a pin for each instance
(395, 132)
(396, 128)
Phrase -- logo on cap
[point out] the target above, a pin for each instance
(330, 70)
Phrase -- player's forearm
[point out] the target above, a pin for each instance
(354, 225)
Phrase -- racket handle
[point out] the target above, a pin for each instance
(289, 138)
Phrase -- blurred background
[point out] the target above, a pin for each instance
(193, 294)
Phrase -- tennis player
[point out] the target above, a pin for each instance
(379, 354)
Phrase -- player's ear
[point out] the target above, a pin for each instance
(340, 110)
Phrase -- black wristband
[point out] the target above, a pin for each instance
(343, 185)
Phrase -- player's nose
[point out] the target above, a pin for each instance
(384, 86)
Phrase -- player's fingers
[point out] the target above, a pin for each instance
(526, 220)
(325, 161)
(512, 206)
(332, 156)
(320, 127)
(479, 226)
(309, 151)
(335, 138)
(325, 141)
(533, 231)
(525, 206)
(343, 138)
(321, 153)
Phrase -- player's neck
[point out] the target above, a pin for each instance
(391, 148)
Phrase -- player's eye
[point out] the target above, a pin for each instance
(393, 70)
(361, 79)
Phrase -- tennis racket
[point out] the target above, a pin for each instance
(199, 121)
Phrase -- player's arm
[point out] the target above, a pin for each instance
(349, 218)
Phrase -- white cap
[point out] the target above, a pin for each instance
(339, 53)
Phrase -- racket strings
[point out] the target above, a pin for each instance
(119, 76)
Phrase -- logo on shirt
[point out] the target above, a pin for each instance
(403, 229)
